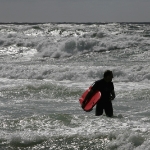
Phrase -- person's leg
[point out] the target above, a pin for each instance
(99, 109)
(109, 109)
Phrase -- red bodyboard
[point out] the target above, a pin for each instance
(91, 102)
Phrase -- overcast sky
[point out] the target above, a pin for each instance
(74, 10)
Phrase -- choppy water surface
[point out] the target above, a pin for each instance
(44, 69)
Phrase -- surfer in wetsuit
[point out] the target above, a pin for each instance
(106, 87)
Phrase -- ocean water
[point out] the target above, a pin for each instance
(45, 68)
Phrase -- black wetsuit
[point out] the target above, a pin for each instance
(104, 103)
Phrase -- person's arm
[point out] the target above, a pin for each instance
(113, 95)
(88, 96)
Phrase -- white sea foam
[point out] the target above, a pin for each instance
(48, 39)
(45, 68)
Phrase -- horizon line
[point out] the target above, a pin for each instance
(33, 23)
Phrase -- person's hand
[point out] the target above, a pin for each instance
(111, 98)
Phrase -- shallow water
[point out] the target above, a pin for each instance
(45, 68)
